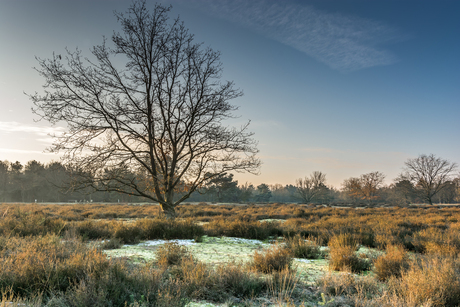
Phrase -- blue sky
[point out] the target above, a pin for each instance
(343, 87)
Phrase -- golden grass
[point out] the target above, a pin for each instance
(44, 256)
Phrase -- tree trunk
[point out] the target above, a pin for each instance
(167, 210)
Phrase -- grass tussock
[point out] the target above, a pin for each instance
(301, 247)
(342, 254)
(244, 229)
(350, 284)
(238, 282)
(171, 254)
(282, 285)
(431, 281)
(392, 263)
(47, 264)
(277, 258)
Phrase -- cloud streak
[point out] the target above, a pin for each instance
(24, 151)
(344, 43)
(18, 127)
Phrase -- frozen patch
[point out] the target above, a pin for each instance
(160, 242)
(303, 260)
(243, 241)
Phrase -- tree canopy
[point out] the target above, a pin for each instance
(429, 174)
(153, 126)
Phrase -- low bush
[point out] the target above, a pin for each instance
(244, 229)
(168, 229)
(47, 264)
(276, 258)
(300, 247)
(342, 254)
(349, 284)
(22, 223)
(170, 254)
(127, 234)
(93, 230)
(430, 281)
(392, 263)
(234, 280)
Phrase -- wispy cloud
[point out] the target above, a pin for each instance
(38, 130)
(345, 43)
(24, 151)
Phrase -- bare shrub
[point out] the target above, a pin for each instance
(392, 263)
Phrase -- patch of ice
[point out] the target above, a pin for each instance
(244, 241)
(160, 242)
(303, 260)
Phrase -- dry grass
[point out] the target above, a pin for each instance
(392, 263)
(349, 284)
(301, 247)
(342, 254)
(282, 285)
(170, 254)
(43, 260)
(432, 281)
(276, 258)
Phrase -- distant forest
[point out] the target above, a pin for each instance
(37, 182)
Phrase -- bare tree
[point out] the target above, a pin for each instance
(365, 187)
(154, 126)
(309, 189)
(370, 184)
(428, 174)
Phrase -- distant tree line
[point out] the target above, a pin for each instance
(37, 182)
(426, 179)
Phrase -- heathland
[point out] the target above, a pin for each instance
(229, 255)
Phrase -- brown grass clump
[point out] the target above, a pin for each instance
(234, 279)
(342, 256)
(168, 229)
(241, 228)
(44, 264)
(200, 281)
(170, 254)
(282, 285)
(277, 258)
(392, 263)
(349, 284)
(432, 281)
(301, 247)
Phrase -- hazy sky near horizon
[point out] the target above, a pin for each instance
(343, 87)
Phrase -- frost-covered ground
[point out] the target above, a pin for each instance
(218, 250)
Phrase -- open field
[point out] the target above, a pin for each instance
(229, 255)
